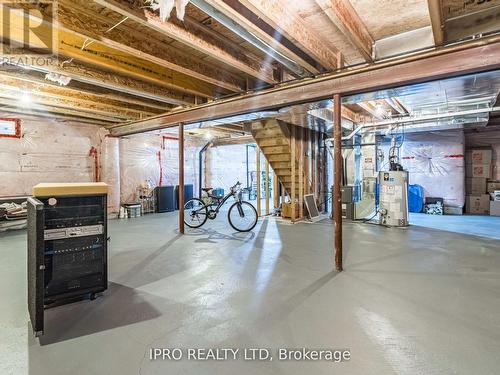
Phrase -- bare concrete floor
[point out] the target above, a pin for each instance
(410, 301)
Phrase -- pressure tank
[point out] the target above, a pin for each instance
(393, 206)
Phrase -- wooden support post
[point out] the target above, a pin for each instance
(292, 160)
(307, 176)
(257, 161)
(266, 183)
(337, 166)
(181, 178)
(276, 191)
(301, 173)
(314, 165)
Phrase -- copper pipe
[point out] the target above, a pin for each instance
(337, 166)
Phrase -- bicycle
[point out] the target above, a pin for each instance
(242, 215)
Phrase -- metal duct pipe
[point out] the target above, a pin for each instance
(250, 38)
(200, 170)
(404, 120)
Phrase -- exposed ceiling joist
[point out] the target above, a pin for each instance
(344, 16)
(425, 66)
(8, 109)
(49, 103)
(437, 21)
(24, 77)
(81, 21)
(61, 97)
(76, 46)
(250, 21)
(50, 107)
(149, 19)
(276, 14)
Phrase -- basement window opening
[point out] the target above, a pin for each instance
(10, 128)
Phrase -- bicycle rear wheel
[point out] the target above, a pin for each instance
(195, 213)
(242, 216)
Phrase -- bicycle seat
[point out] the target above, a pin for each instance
(206, 190)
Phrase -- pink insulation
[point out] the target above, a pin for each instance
(48, 151)
(436, 162)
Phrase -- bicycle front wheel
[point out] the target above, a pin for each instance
(195, 213)
(242, 216)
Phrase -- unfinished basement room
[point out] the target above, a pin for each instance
(250, 187)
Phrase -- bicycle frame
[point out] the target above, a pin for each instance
(221, 201)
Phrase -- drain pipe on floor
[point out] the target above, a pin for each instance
(200, 169)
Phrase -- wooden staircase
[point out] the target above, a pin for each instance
(273, 138)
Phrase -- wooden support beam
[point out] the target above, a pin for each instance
(276, 14)
(337, 181)
(293, 146)
(267, 187)
(345, 17)
(149, 19)
(257, 162)
(437, 64)
(437, 21)
(181, 178)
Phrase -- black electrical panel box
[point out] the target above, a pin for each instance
(67, 248)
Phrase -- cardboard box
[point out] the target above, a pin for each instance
(478, 204)
(478, 170)
(495, 208)
(475, 185)
(491, 186)
(478, 156)
(450, 210)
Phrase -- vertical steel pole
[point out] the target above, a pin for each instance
(181, 178)
(337, 166)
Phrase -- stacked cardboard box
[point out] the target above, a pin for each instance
(477, 173)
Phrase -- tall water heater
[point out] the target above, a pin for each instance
(393, 206)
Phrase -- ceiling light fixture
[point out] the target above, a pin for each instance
(25, 98)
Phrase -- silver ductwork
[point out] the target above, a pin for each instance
(250, 38)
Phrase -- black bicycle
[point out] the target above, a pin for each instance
(242, 216)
